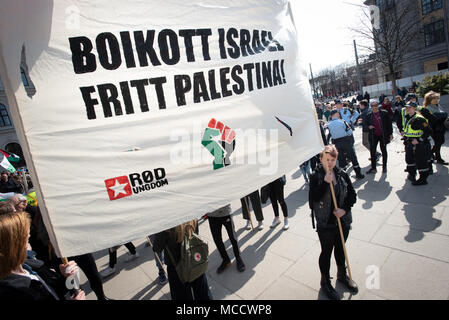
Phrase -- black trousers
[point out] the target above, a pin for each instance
(417, 157)
(86, 262)
(216, 227)
(346, 150)
(197, 290)
(256, 204)
(374, 141)
(330, 240)
(277, 195)
(113, 253)
(439, 140)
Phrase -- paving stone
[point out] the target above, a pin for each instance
(407, 276)
(285, 288)
(417, 216)
(444, 227)
(262, 269)
(430, 245)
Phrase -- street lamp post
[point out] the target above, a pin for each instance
(313, 81)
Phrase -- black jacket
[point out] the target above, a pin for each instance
(17, 287)
(166, 239)
(363, 114)
(387, 125)
(436, 120)
(318, 189)
(10, 186)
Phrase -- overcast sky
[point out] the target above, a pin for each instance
(323, 30)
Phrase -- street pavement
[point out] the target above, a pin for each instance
(398, 247)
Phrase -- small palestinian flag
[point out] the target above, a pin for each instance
(10, 156)
(5, 161)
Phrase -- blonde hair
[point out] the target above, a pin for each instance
(14, 232)
(430, 96)
(180, 231)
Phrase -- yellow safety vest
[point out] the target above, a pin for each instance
(408, 131)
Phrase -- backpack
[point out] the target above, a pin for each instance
(194, 259)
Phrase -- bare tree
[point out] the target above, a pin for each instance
(398, 23)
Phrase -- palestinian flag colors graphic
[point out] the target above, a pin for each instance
(5, 158)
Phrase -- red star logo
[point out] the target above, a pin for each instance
(118, 188)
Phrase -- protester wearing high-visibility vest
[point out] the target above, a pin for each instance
(416, 131)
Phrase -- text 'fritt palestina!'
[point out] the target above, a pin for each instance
(159, 51)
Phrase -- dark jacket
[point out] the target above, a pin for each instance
(320, 197)
(17, 287)
(436, 120)
(363, 114)
(10, 186)
(387, 125)
(166, 239)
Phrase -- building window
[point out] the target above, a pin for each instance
(442, 66)
(4, 118)
(431, 5)
(434, 33)
(24, 77)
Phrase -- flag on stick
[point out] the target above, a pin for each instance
(10, 156)
(5, 162)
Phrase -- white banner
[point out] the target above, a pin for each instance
(148, 114)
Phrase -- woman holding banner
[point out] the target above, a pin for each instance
(18, 279)
(325, 214)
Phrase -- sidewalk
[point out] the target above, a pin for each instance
(400, 233)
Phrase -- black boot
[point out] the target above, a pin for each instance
(328, 289)
(411, 175)
(343, 277)
(358, 173)
(422, 181)
(430, 168)
(223, 266)
(240, 265)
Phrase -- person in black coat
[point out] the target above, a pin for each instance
(325, 214)
(8, 184)
(380, 125)
(367, 96)
(436, 117)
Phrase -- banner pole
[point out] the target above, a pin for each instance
(339, 222)
(249, 213)
(25, 182)
(157, 256)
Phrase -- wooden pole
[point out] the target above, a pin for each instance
(339, 223)
(25, 182)
(249, 213)
(156, 255)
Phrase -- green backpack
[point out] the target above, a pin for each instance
(194, 258)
